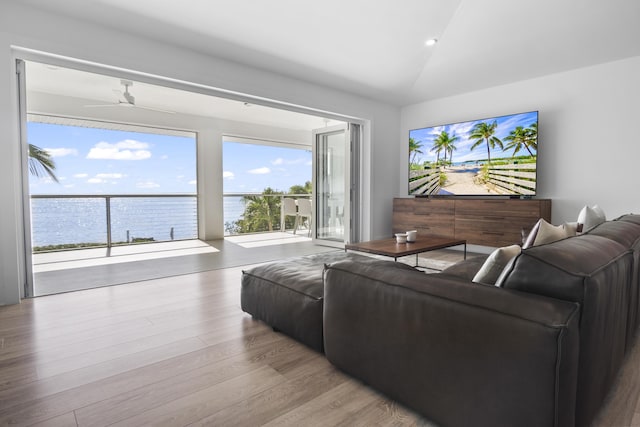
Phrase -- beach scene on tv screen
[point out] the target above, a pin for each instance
(494, 156)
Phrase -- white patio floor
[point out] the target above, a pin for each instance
(67, 271)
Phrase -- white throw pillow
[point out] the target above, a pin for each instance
(589, 217)
(571, 227)
(543, 232)
(495, 263)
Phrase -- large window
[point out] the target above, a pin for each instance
(256, 178)
(111, 186)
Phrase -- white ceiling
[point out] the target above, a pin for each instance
(376, 48)
(80, 88)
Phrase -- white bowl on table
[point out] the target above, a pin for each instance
(401, 237)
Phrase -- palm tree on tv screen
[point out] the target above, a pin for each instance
(414, 150)
(522, 138)
(437, 147)
(485, 133)
(40, 163)
(446, 143)
(532, 141)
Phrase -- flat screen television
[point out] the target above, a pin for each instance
(494, 156)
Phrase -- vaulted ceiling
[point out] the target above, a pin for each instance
(377, 48)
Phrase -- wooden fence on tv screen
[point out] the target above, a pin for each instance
(515, 178)
(424, 181)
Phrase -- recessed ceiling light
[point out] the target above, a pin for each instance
(431, 42)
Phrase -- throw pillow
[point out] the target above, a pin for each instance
(572, 228)
(589, 217)
(543, 232)
(495, 263)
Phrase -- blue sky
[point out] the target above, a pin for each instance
(249, 168)
(425, 137)
(100, 161)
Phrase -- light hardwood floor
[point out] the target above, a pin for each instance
(179, 351)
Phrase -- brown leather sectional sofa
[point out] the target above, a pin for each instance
(541, 350)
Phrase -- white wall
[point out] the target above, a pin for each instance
(588, 145)
(30, 28)
(11, 242)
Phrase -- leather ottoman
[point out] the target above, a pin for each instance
(288, 295)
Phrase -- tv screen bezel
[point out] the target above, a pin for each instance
(470, 123)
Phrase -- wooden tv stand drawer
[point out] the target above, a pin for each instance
(487, 222)
(431, 217)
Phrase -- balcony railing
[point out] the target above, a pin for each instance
(246, 213)
(60, 222)
(79, 221)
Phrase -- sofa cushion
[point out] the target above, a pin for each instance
(626, 231)
(466, 269)
(432, 342)
(634, 218)
(495, 264)
(593, 271)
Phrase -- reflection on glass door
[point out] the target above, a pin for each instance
(332, 180)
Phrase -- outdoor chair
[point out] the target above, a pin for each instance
(305, 211)
(289, 208)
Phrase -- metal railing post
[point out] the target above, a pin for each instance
(282, 224)
(108, 206)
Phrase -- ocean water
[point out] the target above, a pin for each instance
(83, 220)
(233, 209)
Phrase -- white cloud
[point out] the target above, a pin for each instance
(281, 161)
(260, 171)
(95, 181)
(46, 180)
(110, 175)
(132, 144)
(61, 152)
(165, 157)
(128, 149)
(81, 175)
(228, 175)
(147, 184)
(299, 161)
(193, 182)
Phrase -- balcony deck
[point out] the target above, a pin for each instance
(66, 271)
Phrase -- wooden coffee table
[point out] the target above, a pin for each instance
(389, 247)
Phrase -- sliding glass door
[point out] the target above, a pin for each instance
(335, 179)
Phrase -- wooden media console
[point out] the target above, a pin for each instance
(481, 221)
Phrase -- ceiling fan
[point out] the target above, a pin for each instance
(128, 100)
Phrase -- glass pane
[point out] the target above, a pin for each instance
(60, 223)
(153, 219)
(331, 179)
(149, 180)
(257, 178)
